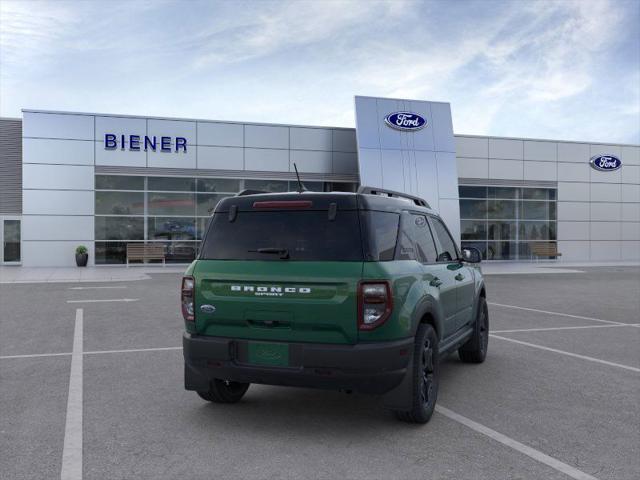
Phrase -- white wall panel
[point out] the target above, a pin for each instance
(447, 175)
(546, 151)
(631, 212)
(605, 192)
(630, 174)
(54, 177)
(605, 231)
(120, 157)
(630, 230)
(261, 136)
(596, 149)
(574, 172)
(606, 211)
(573, 211)
(173, 159)
(310, 138)
(573, 191)
(173, 128)
(630, 155)
(367, 123)
(53, 253)
(345, 163)
(266, 159)
(630, 250)
(57, 202)
(605, 250)
(120, 126)
(573, 230)
(540, 171)
(472, 147)
(605, 177)
(371, 167)
(390, 138)
(220, 158)
(52, 125)
(220, 134)
(473, 167)
(630, 193)
(506, 149)
(50, 227)
(311, 161)
(392, 172)
(442, 127)
(506, 169)
(573, 152)
(573, 251)
(344, 141)
(70, 152)
(427, 179)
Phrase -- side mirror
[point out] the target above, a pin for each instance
(471, 255)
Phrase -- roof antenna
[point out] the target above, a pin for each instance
(301, 187)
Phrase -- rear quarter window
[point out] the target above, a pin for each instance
(381, 234)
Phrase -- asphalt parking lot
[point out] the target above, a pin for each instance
(93, 389)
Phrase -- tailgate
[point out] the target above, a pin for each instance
(292, 301)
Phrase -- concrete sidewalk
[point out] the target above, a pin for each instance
(549, 266)
(11, 274)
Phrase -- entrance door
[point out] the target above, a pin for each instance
(10, 233)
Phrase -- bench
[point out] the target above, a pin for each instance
(142, 252)
(545, 249)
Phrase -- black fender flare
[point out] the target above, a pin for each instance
(428, 306)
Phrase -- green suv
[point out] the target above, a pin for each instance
(357, 292)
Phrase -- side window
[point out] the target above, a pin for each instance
(382, 230)
(447, 251)
(406, 244)
(424, 240)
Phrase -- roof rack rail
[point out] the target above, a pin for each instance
(393, 194)
(250, 192)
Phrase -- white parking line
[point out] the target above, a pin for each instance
(34, 355)
(569, 354)
(556, 313)
(158, 349)
(95, 288)
(72, 449)
(93, 352)
(548, 329)
(105, 300)
(514, 444)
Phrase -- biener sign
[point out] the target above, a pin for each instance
(139, 142)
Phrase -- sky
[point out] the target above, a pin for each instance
(524, 68)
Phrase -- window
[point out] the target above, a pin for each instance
(426, 248)
(382, 228)
(304, 235)
(177, 184)
(120, 203)
(447, 250)
(119, 182)
(503, 222)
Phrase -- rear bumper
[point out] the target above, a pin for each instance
(366, 368)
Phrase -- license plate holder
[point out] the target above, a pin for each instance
(268, 354)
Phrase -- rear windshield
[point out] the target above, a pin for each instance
(278, 235)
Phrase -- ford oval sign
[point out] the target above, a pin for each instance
(605, 163)
(405, 121)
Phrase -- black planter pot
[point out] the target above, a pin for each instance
(82, 259)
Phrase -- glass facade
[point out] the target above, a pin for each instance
(504, 222)
(170, 211)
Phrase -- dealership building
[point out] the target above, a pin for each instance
(110, 181)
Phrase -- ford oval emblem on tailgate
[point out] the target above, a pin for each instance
(207, 308)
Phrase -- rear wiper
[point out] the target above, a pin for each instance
(283, 252)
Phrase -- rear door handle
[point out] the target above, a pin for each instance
(459, 277)
(436, 282)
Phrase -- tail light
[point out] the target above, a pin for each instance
(375, 303)
(187, 298)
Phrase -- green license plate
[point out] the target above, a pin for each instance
(271, 354)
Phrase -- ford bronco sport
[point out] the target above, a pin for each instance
(348, 291)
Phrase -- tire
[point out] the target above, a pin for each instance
(475, 350)
(425, 376)
(223, 391)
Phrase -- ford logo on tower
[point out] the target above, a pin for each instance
(405, 121)
(605, 163)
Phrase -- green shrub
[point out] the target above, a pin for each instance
(81, 250)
